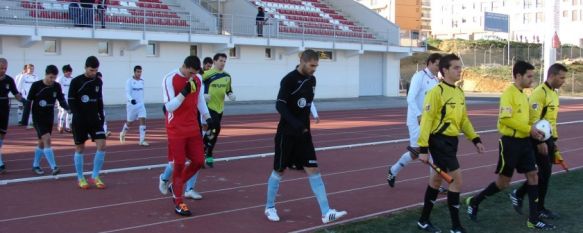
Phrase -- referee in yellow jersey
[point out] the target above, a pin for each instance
(444, 117)
(515, 146)
(544, 104)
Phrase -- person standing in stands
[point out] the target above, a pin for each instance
(260, 21)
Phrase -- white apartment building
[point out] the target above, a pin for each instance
(465, 19)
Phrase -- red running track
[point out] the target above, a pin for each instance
(234, 192)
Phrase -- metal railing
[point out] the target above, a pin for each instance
(152, 17)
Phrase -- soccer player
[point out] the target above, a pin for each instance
(41, 98)
(293, 140)
(135, 107)
(86, 103)
(217, 84)
(544, 104)
(65, 116)
(207, 64)
(421, 83)
(515, 146)
(7, 85)
(444, 117)
(182, 98)
(24, 84)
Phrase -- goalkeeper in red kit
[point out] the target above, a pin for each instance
(182, 99)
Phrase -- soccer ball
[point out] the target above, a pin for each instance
(545, 127)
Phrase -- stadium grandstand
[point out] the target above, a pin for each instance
(360, 50)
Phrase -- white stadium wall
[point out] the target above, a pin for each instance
(254, 76)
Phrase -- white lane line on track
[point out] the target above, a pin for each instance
(233, 158)
(260, 184)
(311, 197)
(419, 204)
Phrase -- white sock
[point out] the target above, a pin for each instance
(142, 133)
(403, 161)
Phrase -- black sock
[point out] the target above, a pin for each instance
(489, 191)
(453, 201)
(544, 176)
(521, 191)
(430, 197)
(533, 202)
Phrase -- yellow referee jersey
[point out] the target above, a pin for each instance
(445, 113)
(544, 104)
(513, 119)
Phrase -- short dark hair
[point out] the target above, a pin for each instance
(309, 55)
(520, 67)
(92, 62)
(432, 58)
(99, 75)
(218, 56)
(137, 68)
(192, 62)
(445, 62)
(52, 69)
(207, 60)
(67, 68)
(555, 69)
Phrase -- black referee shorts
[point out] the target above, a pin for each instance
(294, 152)
(515, 153)
(443, 151)
(83, 129)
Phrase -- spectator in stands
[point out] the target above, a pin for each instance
(87, 13)
(101, 8)
(260, 21)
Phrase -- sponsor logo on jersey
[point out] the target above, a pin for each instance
(302, 102)
(85, 98)
(42, 103)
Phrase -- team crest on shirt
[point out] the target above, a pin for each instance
(97, 89)
(427, 107)
(302, 102)
(535, 106)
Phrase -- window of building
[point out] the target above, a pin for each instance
(234, 52)
(104, 48)
(193, 50)
(268, 53)
(152, 49)
(565, 14)
(325, 54)
(50, 46)
(574, 15)
(540, 17)
(575, 2)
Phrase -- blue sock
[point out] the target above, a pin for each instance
(78, 158)
(272, 187)
(320, 191)
(1, 161)
(98, 163)
(190, 184)
(167, 172)
(38, 153)
(50, 155)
